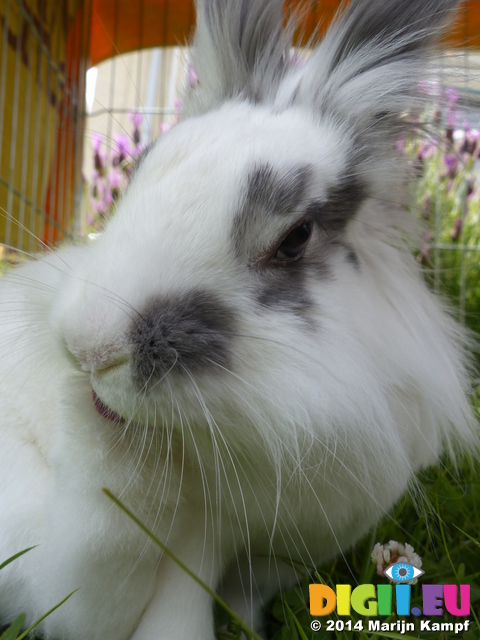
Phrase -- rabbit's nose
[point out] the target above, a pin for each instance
(184, 334)
(98, 358)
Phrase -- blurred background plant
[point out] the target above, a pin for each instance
(447, 200)
(112, 167)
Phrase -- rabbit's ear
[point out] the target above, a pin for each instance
(240, 48)
(366, 71)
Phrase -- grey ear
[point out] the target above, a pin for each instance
(368, 68)
(388, 28)
(239, 49)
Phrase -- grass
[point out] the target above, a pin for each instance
(441, 519)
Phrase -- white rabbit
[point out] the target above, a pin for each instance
(247, 356)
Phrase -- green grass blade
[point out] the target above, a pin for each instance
(447, 551)
(468, 536)
(17, 555)
(295, 621)
(14, 629)
(37, 622)
(249, 632)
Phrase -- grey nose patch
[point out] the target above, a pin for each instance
(189, 333)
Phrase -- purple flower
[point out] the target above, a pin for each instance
(452, 95)
(115, 178)
(124, 149)
(97, 140)
(99, 156)
(451, 162)
(100, 206)
(135, 118)
(426, 151)
(451, 118)
(470, 141)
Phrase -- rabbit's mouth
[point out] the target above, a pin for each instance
(105, 411)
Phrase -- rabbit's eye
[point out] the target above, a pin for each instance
(294, 244)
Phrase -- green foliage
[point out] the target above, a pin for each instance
(441, 519)
(447, 200)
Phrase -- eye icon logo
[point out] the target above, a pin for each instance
(403, 572)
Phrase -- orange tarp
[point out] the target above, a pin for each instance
(119, 26)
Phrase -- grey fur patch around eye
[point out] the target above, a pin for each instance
(267, 193)
(190, 333)
(342, 202)
(285, 288)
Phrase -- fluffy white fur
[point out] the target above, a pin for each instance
(317, 428)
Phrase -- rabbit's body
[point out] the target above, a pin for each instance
(248, 402)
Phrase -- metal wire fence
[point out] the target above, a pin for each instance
(42, 71)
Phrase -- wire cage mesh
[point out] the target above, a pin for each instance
(132, 100)
(42, 78)
(49, 140)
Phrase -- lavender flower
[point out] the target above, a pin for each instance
(451, 115)
(451, 163)
(115, 178)
(124, 149)
(452, 96)
(136, 119)
(99, 157)
(470, 141)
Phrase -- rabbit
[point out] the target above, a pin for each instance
(247, 356)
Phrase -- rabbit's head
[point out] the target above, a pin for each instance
(253, 280)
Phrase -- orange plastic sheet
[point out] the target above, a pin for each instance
(119, 26)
